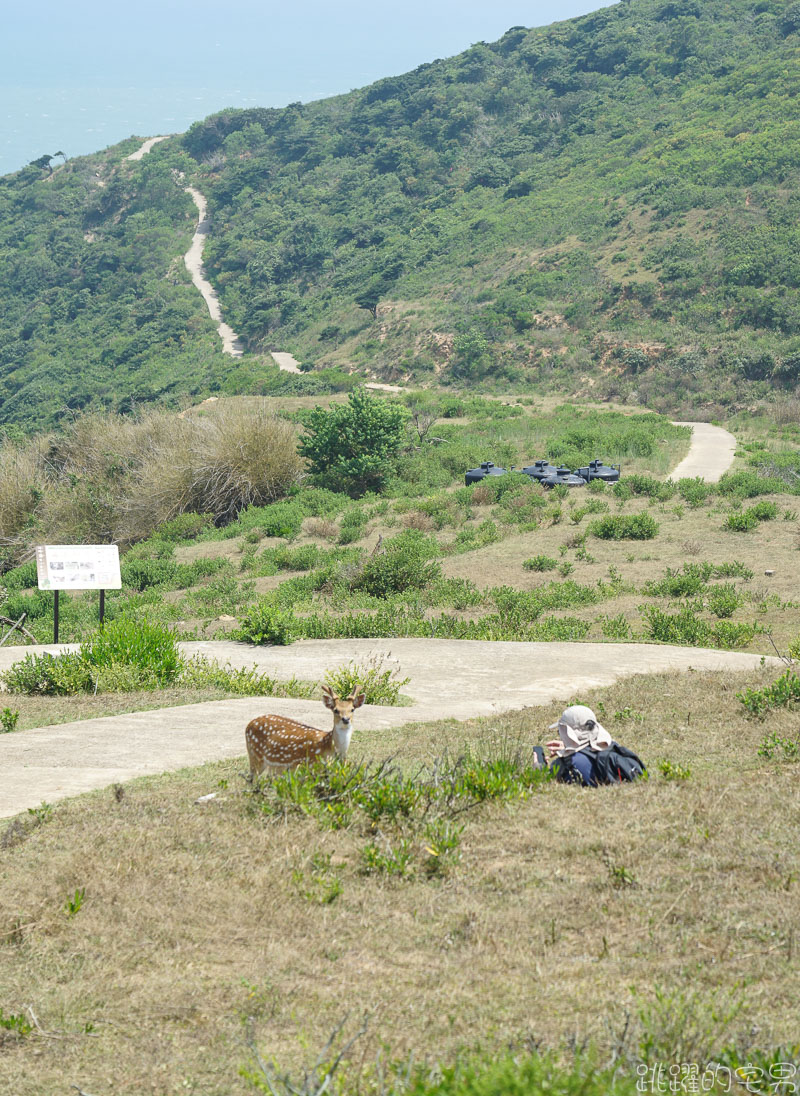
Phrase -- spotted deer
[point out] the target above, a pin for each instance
(276, 743)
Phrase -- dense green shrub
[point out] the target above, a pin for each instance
(265, 623)
(741, 521)
(764, 510)
(625, 527)
(724, 600)
(283, 519)
(20, 578)
(49, 675)
(467, 540)
(406, 563)
(295, 559)
(147, 647)
(353, 447)
(690, 581)
(141, 574)
(185, 526)
(123, 654)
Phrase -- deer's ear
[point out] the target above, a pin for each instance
(328, 698)
(358, 699)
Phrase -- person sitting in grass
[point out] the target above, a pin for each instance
(585, 753)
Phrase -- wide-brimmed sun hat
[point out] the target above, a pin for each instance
(578, 727)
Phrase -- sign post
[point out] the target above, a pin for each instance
(77, 567)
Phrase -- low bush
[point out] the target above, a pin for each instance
(724, 600)
(283, 519)
(616, 627)
(295, 559)
(743, 521)
(23, 577)
(689, 582)
(8, 720)
(148, 647)
(764, 510)
(687, 628)
(773, 744)
(199, 674)
(141, 574)
(732, 569)
(469, 539)
(748, 483)
(625, 527)
(406, 563)
(740, 521)
(266, 623)
(509, 1074)
(694, 491)
(379, 684)
(784, 692)
(642, 485)
(353, 525)
(123, 655)
(540, 563)
(49, 675)
(187, 526)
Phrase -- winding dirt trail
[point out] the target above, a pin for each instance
(450, 679)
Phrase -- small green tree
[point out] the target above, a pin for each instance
(354, 447)
(472, 358)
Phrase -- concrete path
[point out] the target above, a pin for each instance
(193, 259)
(710, 454)
(231, 343)
(286, 362)
(456, 679)
(145, 148)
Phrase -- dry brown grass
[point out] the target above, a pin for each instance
(45, 711)
(684, 536)
(321, 528)
(112, 478)
(416, 519)
(195, 932)
(22, 472)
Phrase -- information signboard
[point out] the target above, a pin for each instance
(78, 567)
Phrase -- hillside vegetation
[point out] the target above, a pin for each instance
(210, 554)
(606, 203)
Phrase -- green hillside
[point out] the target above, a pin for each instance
(607, 205)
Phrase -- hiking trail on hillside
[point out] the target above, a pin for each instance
(231, 343)
(193, 259)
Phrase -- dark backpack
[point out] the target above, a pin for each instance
(617, 764)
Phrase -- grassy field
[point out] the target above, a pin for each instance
(156, 940)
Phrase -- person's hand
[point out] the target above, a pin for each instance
(553, 747)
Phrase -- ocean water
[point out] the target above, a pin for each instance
(80, 76)
(77, 120)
